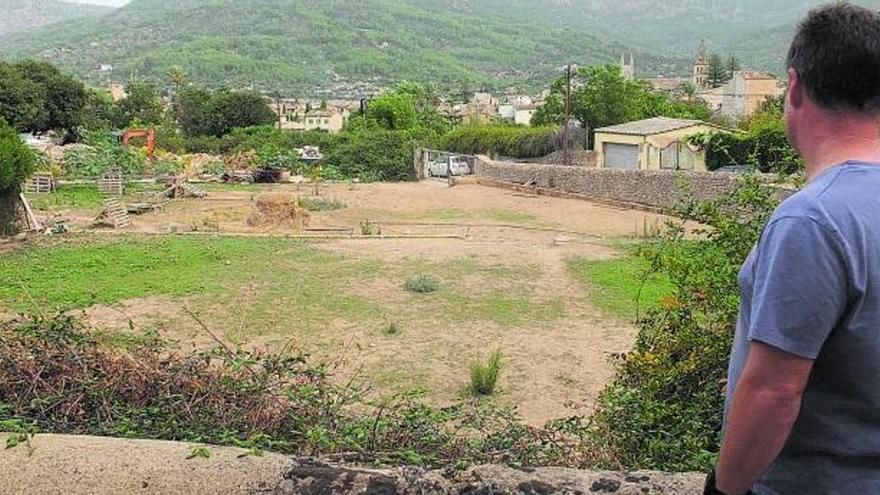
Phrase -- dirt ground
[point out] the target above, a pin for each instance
(554, 366)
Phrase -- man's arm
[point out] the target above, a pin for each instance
(765, 406)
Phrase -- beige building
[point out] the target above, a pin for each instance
(746, 91)
(324, 120)
(659, 143)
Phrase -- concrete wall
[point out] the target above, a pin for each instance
(649, 188)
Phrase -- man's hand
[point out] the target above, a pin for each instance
(765, 405)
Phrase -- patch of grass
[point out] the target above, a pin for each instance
(422, 284)
(515, 217)
(620, 285)
(320, 203)
(216, 272)
(391, 329)
(502, 308)
(68, 196)
(484, 376)
(501, 216)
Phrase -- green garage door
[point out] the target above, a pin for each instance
(625, 156)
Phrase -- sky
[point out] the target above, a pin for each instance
(109, 3)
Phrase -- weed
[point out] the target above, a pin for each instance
(369, 228)
(320, 203)
(200, 452)
(422, 284)
(391, 329)
(484, 376)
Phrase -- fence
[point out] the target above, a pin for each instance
(40, 184)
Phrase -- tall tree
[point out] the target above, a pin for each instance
(717, 71)
(192, 110)
(16, 164)
(176, 77)
(142, 105)
(602, 97)
(230, 110)
(37, 97)
(733, 65)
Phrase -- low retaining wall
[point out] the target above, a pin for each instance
(654, 189)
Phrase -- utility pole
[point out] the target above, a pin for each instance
(278, 107)
(566, 159)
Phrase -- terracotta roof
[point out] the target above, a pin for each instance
(648, 127)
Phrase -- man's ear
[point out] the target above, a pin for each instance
(795, 89)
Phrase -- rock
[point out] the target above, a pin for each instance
(59, 464)
(483, 480)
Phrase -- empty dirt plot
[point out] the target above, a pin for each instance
(513, 272)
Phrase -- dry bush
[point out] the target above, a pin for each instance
(279, 209)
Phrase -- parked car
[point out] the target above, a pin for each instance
(457, 165)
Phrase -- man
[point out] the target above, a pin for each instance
(803, 409)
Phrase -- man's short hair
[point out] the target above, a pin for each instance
(836, 54)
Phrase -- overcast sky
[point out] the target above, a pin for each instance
(111, 3)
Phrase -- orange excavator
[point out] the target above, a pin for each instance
(150, 134)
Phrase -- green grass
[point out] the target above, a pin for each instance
(319, 203)
(79, 275)
(493, 215)
(68, 196)
(620, 286)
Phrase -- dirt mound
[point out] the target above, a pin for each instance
(277, 210)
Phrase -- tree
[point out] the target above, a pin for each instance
(393, 111)
(601, 97)
(733, 65)
(192, 111)
(37, 97)
(717, 71)
(65, 96)
(22, 101)
(100, 112)
(176, 77)
(16, 164)
(141, 105)
(230, 110)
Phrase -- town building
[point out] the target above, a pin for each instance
(746, 91)
(659, 143)
(522, 114)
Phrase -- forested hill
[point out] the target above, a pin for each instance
(295, 45)
(22, 15)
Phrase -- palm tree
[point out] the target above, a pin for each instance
(176, 76)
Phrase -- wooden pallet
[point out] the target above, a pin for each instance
(111, 183)
(40, 184)
(115, 213)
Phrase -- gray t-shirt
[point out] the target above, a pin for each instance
(810, 288)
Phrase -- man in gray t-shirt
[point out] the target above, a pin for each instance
(803, 411)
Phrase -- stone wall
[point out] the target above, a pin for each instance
(655, 189)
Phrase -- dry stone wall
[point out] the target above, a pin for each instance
(657, 189)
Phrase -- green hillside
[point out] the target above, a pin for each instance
(296, 45)
(22, 15)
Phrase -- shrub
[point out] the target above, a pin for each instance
(664, 408)
(391, 329)
(319, 203)
(422, 284)
(56, 376)
(102, 153)
(506, 140)
(484, 376)
(17, 162)
(370, 228)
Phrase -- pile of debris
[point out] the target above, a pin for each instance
(279, 209)
(179, 187)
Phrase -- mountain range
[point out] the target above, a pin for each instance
(24, 15)
(294, 46)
